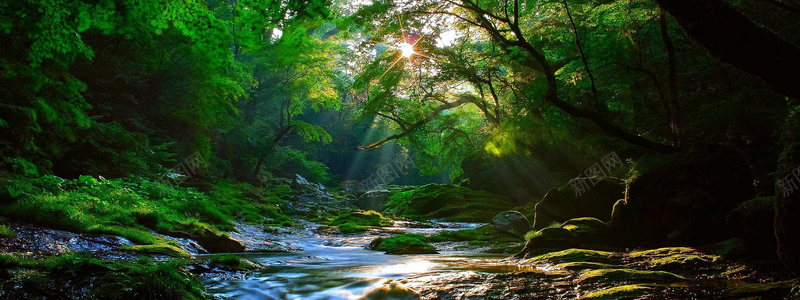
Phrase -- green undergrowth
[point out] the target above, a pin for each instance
(80, 276)
(445, 201)
(352, 228)
(231, 261)
(360, 221)
(406, 243)
(134, 207)
(6, 232)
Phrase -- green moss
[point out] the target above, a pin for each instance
(6, 232)
(403, 244)
(447, 201)
(231, 260)
(133, 207)
(164, 249)
(574, 255)
(225, 260)
(83, 276)
(352, 228)
(362, 218)
(681, 261)
(662, 252)
(619, 292)
(627, 275)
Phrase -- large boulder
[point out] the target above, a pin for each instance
(301, 184)
(683, 199)
(211, 241)
(561, 204)
(585, 233)
(314, 201)
(787, 197)
(753, 220)
(511, 222)
(350, 186)
(372, 200)
(390, 291)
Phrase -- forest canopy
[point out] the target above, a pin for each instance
(119, 88)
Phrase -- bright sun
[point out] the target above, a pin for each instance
(407, 49)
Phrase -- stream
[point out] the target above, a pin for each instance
(331, 267)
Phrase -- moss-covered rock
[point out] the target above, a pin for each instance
(359, 221)
(372, 200)
(403, 244)
(627, 275)
(446, 201)
(390, 290)
(562, 204)
(620, 292)
(352, 228)
(212, 241)
(753, 221)
(80, 276)
(161, 248)
(575, 255)
(511, 222)
(232, 261)
(363, 218)
(587, 233)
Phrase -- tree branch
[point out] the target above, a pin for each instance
(436, 112)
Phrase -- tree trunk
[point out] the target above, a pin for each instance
(271, 149)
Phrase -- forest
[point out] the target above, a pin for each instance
(400, 149)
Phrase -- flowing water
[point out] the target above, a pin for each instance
(340, 268)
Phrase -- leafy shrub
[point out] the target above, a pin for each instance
(294, 161)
